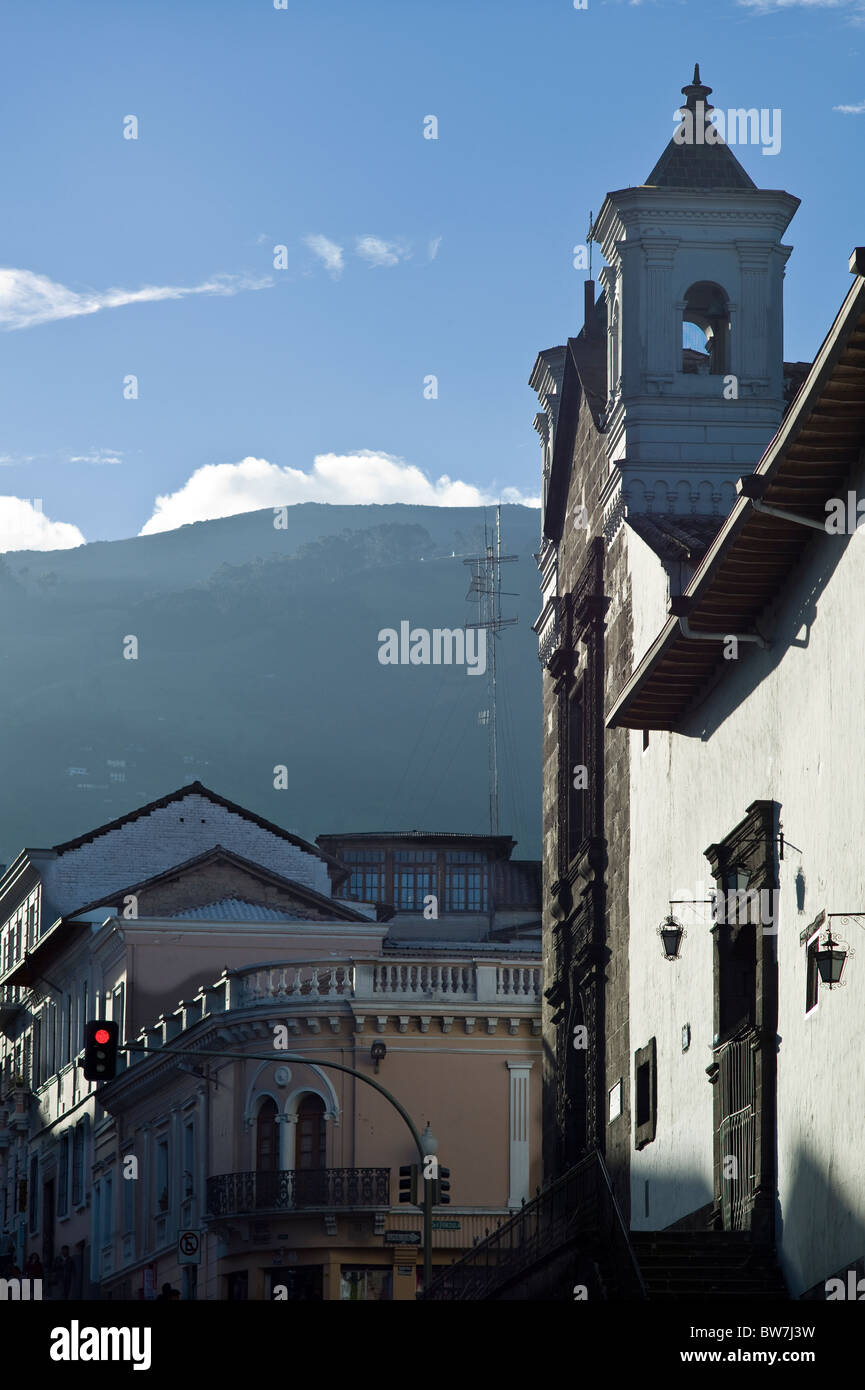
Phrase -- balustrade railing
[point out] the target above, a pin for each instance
(418, 979)
(311, 981)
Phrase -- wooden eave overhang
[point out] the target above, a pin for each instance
(807, 462)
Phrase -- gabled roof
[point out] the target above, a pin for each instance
(696, 164)
(337, 908)
(191, 789)
(808, 461)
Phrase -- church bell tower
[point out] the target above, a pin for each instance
(693, 289)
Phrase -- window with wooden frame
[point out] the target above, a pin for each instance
(415, 877)
(366, 882)
(465, 881)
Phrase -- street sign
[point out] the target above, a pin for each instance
(189, 1248)
(440, 1225)
(402, 1238)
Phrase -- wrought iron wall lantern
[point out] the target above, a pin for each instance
(832, 956)
(830, 960)
(671, 933)
(378, 1052)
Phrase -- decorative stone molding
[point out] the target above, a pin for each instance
(513, 1026)
(492, 1025)
(469, 1025)
(403, 1023)
(381, 1023)
(614, 516)
(424, 1022)
(446, 1023)
(333, 1024)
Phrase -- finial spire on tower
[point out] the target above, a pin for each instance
(697, 91)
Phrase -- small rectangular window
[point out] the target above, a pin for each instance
(645, 1094)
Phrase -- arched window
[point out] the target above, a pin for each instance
(267, 1138)
(706, 330)
(311, 1134)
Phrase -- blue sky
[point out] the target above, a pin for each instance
(261, 127)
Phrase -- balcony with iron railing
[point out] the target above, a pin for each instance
(573, 1228)
(297, 1190)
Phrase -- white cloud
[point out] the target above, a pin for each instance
(328, 252)
(225, 489)
(433, 247)
(379, 252)
(23, 526)
(98, 456)
(15, 460)
(27, 299)
(858, 110)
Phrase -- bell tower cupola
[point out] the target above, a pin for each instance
(693, 284)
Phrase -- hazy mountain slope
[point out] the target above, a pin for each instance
(259, 647)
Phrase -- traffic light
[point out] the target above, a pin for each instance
(408, 1183)
(100, 1050)
(441, 1188)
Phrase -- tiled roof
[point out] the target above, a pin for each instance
(676, 537)
(238, 910)
(694, 163)
(699, 166)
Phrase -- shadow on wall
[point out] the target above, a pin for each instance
(782, 623)
(818, 1234)
(681, 1199)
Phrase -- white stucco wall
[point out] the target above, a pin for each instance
(648, 594)
(789, 729)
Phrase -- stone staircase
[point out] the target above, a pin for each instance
(704, 1266)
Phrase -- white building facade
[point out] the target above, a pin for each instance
(747, 745)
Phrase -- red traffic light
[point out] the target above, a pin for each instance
(100, 1049)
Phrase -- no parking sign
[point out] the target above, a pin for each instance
(189, 1248)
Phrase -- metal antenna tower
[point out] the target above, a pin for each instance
(486, 589)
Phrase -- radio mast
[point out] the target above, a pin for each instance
(486, 589)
